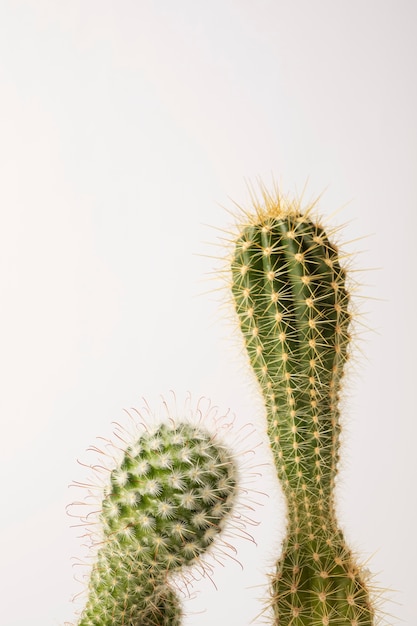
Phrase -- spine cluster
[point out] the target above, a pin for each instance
(167, 501)
(293, 308)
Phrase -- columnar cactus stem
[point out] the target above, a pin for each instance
(293, 307)
(167, 501)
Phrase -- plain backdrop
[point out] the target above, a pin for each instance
(127, 132)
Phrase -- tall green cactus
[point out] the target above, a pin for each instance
(167, 501)
(293, 308)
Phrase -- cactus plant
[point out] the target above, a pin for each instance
(174, 488)
(289, 291)
(167, 500)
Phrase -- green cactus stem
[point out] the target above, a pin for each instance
(167, 501)
(292, 303)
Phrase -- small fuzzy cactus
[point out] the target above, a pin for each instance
(167, 501)
(292, 303)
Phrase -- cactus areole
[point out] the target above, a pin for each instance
(293, 309)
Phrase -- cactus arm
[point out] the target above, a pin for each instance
(292, 304)
(167, 501)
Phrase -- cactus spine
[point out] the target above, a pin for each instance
(293, 308)
(167, 501)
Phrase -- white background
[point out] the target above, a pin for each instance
(124, 128)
